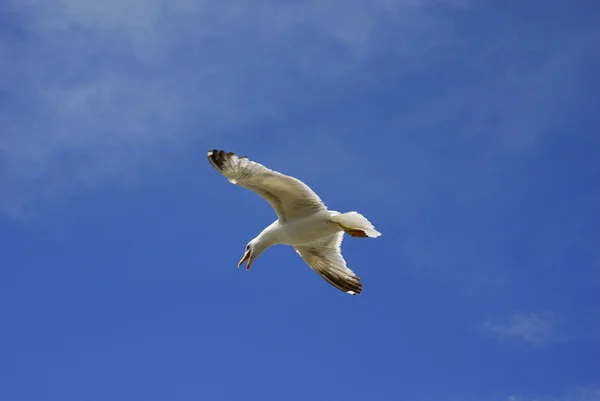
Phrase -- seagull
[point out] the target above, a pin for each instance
(304, 221)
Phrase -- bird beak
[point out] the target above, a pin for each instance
(246, 258)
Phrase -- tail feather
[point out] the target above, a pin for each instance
(355, 224)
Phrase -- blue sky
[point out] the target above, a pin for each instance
(466, 131)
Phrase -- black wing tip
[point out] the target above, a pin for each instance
(357, 289)
(353, 292)
(353, 289)
(349, 285)
(218, 157)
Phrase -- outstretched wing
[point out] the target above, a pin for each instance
(325, 257)
(290, 197)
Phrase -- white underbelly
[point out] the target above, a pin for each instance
(301, 232)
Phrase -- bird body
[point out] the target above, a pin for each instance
(300, 231)
(304, 221)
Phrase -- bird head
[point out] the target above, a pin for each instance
(253, 249)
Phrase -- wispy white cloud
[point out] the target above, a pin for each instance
(573, 393)
(540, 328)
(105, 92)
(581, 393)
(98, 90)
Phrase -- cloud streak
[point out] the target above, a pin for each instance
(97, 91)
(105, 93)
(581, 393)
(540, 328)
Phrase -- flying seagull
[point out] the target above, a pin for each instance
(304, 221)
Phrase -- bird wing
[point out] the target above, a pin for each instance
(290, 197)
(325, 257)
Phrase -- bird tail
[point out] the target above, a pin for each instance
(355, 224)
